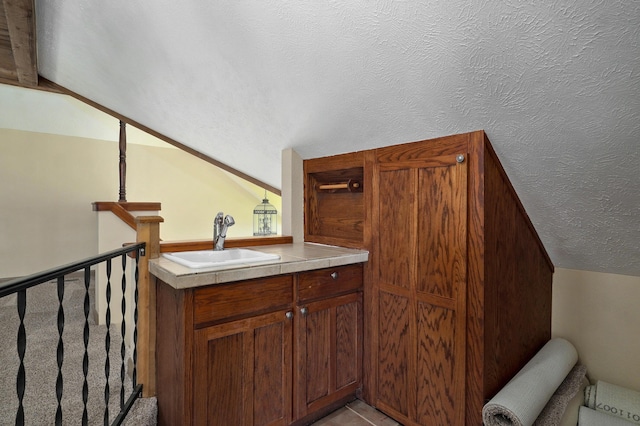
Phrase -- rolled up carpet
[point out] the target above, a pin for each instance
(589, 417)
(522, 399)
(553, 413)
(613, 400)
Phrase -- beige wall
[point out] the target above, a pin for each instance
(48, 182)
(600, 314)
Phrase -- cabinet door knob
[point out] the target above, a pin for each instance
(304, 311)
(289, 315)
(334, 275)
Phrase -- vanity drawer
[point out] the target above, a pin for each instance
(329, 282)
(228, 302)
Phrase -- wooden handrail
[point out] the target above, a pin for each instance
(124, 215)
(122, 209)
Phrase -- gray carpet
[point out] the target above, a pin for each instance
(40, 401)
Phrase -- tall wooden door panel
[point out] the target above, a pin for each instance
(397, 227)
(243, 372)
(421, 284)
(396, 230)
(441, 277)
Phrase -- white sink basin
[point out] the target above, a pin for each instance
(211, 258)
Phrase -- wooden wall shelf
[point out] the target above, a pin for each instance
(334, 200)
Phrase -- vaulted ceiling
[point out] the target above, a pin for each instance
(554, 83)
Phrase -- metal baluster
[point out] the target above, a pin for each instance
(135, 321)
(60, 350)
(85, 359)
(22, 347)
(123, 329)
(107, 345)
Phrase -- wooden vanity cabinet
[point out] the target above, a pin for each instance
(271, 351)
(328, 338)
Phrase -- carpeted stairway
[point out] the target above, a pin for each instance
(40, 401)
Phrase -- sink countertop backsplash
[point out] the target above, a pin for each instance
(294, 257)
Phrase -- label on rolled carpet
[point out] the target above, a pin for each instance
(614, 400)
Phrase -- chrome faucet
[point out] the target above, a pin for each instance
(220, 226)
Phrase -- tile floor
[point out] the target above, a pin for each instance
(356, 413)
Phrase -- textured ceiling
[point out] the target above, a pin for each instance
(554, 83)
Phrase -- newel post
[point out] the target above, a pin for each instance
(148, 231)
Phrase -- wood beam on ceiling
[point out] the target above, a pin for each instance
(18, 59)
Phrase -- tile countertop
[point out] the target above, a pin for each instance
(294, 257)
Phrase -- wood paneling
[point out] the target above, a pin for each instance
(222, 364)
(442, 230)
(348, 350)
(174, 370)
(396, 226)
(272, 373)
(318, 352)
(524, 275)
(421, 150)
(393, 352)
(476, 284)
(438, 381)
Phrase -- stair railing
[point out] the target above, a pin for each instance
(19, 286)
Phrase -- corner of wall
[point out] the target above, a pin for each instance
(598, 313)
(292, 195)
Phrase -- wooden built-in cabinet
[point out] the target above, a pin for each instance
(273, 351)
(420, 288)
(457, 290)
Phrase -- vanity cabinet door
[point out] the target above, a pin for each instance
(329, 356)
(243, 371)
